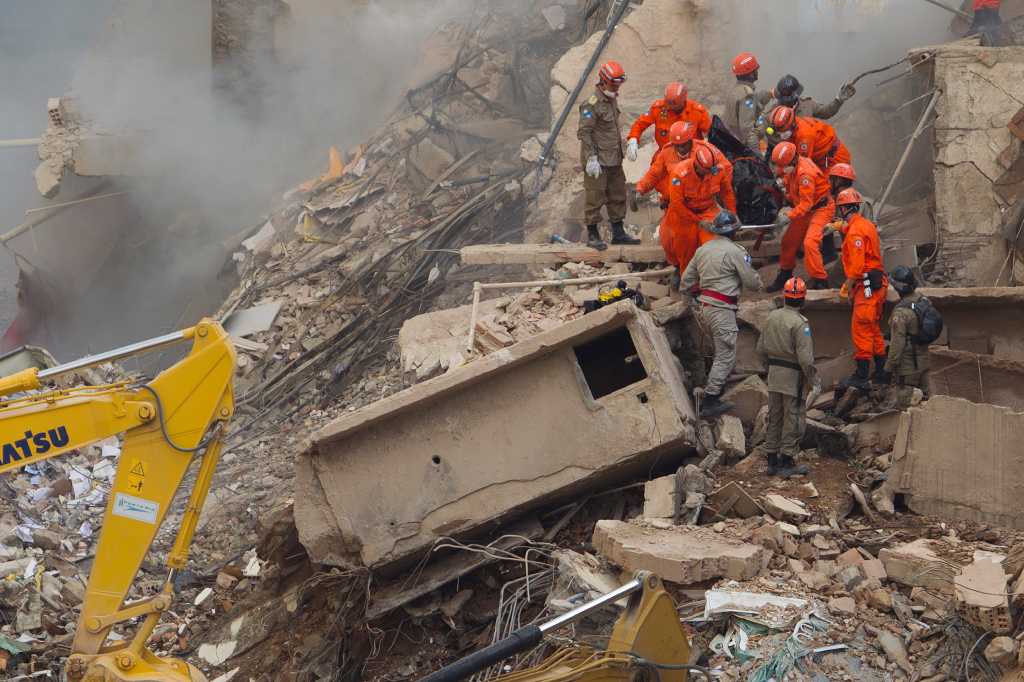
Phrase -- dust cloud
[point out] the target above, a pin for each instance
(825, 43)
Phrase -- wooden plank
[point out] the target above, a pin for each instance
(553, 254)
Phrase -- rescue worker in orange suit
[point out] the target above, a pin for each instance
(744, 110)
(659, 175)
(676, 106)
(866, 286)
(841, 176)
(986, 16)
(813, 138)
(604, 181)
(810, 209)
(700, 187)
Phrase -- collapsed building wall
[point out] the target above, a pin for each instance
(978, 169)
(591, 401)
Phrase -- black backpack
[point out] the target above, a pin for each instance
(929, 321)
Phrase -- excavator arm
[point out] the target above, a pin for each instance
(180, 414)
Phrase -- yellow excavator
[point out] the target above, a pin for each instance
(167, 422)
(647, 644)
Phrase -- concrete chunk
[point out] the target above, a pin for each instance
(748, 397)
(660, 498)
(729, 437)
(684, 555)
(917, 565)
(932, 445)
(785, 508)
(555, 415)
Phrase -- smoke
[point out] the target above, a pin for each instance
(825, 43)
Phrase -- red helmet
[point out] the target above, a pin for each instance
(843, 170)
(675, 95)
(681, 132)
(612, 72)
(849, 196)
(783, 119)
(704, 157)
(745, 63)
(795, 288)
(784, 154)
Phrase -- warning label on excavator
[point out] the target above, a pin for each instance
(136, 508)
(136, 475)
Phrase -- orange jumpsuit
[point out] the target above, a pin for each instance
(818, 141)
(862, 253)
(808, 192)
(659, 175)
(692, 198)
(662, 118)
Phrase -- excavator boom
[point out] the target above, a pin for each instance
(183, 412)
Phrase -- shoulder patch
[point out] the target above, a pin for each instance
(676, 181)
(592, 100)
(807, 330)
(749, 102)
(805, 181)
(588, 113)
(803, 147)
(858, 243)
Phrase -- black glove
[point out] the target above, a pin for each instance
(676, 280)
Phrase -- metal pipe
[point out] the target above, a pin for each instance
(629, 588)
(951, 10)
(117, 353)
(906, 154)
(24, 142)
(571, 101)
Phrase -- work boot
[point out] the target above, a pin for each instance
(773, 463)
(788, 468)
(594, 240)
(780, 281)
(860, 378)
(619, 235)
(882, 378)
(712, 406)
(820, 284)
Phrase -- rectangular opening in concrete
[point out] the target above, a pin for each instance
(610, 363)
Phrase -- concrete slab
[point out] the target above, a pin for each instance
(553, 254)
(917, 564)
(660, 498)
(583, 405)
(684, 554)
(955, 459)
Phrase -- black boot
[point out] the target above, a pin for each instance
(773, 463)
(860, 377)
(882, 378)
(594, 240)
(780, 281)
(713, 405)
(619, 235)
(788, 467)
(820, 284)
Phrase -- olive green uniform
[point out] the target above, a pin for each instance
(722, 267)
(788, 350)
(743, 110)
(600, 135)
(907, 361)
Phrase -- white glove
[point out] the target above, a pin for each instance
(782, 220)
(593, 167)
(632, 147)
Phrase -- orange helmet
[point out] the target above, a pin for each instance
(745, 63)
(675, 95)
(849, 196)
(681, 132)
(843, 170)
(704, 157)
(795, 288)
(783, 119)
(784, 154)
(612, 72)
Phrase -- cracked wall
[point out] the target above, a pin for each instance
(975, 155)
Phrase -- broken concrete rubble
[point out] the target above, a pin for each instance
(934, 442)
(981, 598)
(680, 555)
(616, 374)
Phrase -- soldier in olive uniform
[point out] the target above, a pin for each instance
(907, 362)
(746, 103)
(789, 93)
(604, 181)
(786, 348)
(721, 268)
